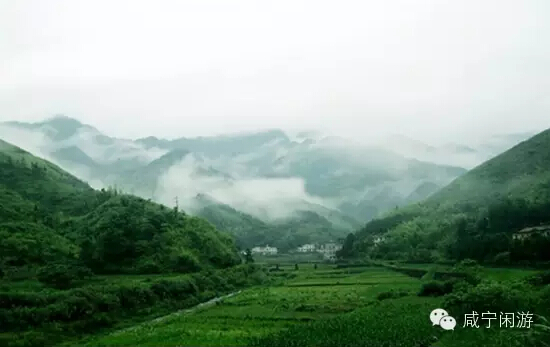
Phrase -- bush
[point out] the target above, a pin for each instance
(491, 296)
(435, 288)
(429, 275)
(391, 294)
(89, 308)
(540, 279)
(149, 267)
(62, 276)
(186, 262)
(471, 271)
(502, 258)
(467, 263)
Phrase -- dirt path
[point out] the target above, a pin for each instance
(180, 312)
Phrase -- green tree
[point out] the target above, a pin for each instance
(248, 256)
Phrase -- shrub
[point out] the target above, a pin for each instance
(502, 258)
(391, 294)
(57, 276)
(186, 262)
(149, 267)
(540, 279)
(491, 296)
(435, 288)
(429, 275)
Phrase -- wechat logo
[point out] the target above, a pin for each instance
(441, 317)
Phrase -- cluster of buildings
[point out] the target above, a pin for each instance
(523, 234)
(264, 250)
(328, 250)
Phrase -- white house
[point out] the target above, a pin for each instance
(329, 248)
(307, 248)
(264, 250)
(543, 230)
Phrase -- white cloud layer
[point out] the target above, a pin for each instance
(433, 69)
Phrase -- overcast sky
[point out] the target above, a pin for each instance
(184, 68)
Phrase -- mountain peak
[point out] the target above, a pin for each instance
(65, 127)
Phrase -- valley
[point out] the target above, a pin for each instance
(102, 267)
(274, 173)
(263, 188)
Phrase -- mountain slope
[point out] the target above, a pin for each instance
(354, 180)
(475, 216)
(49, 216)
(286, 234)
(523, 171)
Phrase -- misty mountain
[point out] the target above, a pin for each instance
(287, 233)
(267, 175)
(475, 215)
(456, 154)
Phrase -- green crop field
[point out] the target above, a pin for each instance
(313, 307)
(301, 296)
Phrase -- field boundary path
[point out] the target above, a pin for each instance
(179, 313)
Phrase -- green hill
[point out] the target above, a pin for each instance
(475, 216)
(73, 154)
(74, 260)
(285, 234)
(107, 231)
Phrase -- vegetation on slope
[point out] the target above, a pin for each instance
(112, 232)
(287, 234)
(474, 217)
(60, 237)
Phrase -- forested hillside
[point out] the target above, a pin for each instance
(106, 231)
(358, 180)
(286, 234)
(476, 216)
(65, 249)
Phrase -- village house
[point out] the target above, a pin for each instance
(264, 250)
(307, 248)
(543, 230)
(329, 248)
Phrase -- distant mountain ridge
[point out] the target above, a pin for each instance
(254, 173)
(475, 215)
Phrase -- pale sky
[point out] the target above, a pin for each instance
(135, 68)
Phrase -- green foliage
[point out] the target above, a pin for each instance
(62, 276)
(492, 296)
(473, 217)
(248, 256)
(48, 216)
(94, 306)
(286, 234)
(59, 231)
(435, 288)
(540, 279)
(392, 294)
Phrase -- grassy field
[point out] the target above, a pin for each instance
(327, 304)
(302, 296)
(497, 274)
